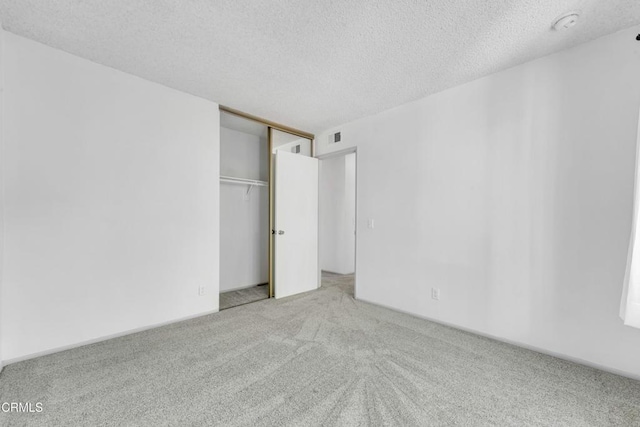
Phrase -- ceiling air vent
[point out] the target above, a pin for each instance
(334, 138)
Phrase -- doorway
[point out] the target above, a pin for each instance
(338, 219)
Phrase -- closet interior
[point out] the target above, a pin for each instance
(244, 211)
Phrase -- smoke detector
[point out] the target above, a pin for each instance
(566, 21)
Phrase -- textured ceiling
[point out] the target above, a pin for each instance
(311, 64)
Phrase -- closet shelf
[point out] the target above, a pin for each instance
(243, 181)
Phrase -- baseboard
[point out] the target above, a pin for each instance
(103, 338)
(242, 287)
(511, 342)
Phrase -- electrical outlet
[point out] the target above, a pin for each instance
(435, 293)
(201, 290)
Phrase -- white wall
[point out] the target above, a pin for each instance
(1, 184)
(243, 155)
(337, 214)
(513, 195)
(244, 221)
(349, 215)
(111, 202)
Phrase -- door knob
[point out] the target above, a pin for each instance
(281, 232)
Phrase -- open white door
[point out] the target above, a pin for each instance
(296, 224)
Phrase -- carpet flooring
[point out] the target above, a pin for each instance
(243, 296)
(320, 358)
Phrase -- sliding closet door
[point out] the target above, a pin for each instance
(295, 231)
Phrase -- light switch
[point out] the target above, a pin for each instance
(371, 223)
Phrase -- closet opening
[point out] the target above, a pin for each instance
(244, 211)
(268, 210)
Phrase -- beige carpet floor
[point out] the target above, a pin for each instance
(320, 358)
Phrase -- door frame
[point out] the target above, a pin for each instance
(283, 128)
(333, 154)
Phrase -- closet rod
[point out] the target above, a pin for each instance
(242, 181)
